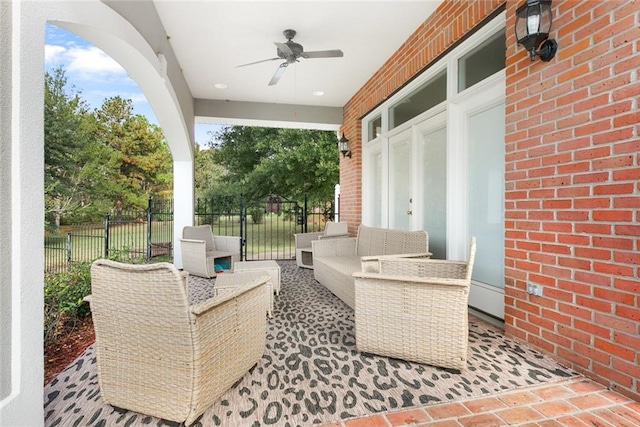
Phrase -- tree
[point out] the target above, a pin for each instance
(288, 162)
(207, 173)
(77, 168)
(143, 162)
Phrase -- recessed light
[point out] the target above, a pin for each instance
(220, 86)
(317, 93)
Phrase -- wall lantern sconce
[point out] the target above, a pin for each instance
(533, 23)
(343, 145)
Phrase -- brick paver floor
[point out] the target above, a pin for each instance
(576, 402)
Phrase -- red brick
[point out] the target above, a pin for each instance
(591, 353)
(614, 296)
(614, 269)
(581, 264)
(613, 215)
(592, 329)
(615, 323)
(613, 374)
(627, 340)
(592, 303)
(612, 242)
(628, 313)
(613, 189)
(591, 177)
(574, 287)
(626, 174)
(627, 257)
(623, 284)
(627, 230)
(592, 253)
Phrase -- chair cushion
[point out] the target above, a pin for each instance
(200, 232)
(335, 228)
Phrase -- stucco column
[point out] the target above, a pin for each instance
(183, 200)
(21, 213)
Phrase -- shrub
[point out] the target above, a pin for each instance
(63, 300)
(256, 213)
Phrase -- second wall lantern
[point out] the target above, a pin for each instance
(533, 23)
(343, 145)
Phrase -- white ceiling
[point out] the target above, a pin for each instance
(211, 38)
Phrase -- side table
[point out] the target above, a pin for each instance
(269, 267)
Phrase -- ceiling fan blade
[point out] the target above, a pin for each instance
(335, 53)
(257, 62)
(279, 72)
(284, 48)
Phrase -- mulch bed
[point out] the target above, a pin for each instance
(59, 355)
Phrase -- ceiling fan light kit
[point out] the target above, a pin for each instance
(291, 51)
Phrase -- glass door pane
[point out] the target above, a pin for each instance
(486, 190)
(377, 189)
(400, 181)
(433, 161)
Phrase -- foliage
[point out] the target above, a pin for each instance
(208, 175)
(256, 213)
(291, 162)
(143, 165)
(63, 300)
(76, 165)
(95, 161)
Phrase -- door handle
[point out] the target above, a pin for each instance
(409, 212)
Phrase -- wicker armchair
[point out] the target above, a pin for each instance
(415, 309)
(304, 251)
(201, 249)
(159, 356)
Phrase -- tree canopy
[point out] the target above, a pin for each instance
(95, 160)
(289, 162)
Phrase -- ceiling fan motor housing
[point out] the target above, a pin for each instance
(296, 48)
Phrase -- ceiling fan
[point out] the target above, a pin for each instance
(290, 51)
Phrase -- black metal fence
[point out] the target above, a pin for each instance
(266, 228)
(134, 236)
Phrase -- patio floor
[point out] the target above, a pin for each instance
(575, 402)
(505, 383)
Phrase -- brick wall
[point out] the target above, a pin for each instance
(572, 177)
(572, 192)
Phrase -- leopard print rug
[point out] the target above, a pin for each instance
(312, 373)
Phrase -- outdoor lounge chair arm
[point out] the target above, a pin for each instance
(204, 306)
(303, 240)
(412, 279)
(333, 236)
(371, 263)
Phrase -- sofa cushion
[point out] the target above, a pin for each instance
(383, 241)
(345, 265)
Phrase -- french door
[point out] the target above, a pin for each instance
(400, 181)
(478, 208)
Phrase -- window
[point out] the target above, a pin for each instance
(486, 59)
(375, 128)
(427, 96)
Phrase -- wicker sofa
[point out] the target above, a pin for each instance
(415, 309)
(304, 251)
(335, 260)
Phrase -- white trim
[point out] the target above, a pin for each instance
(486, 298)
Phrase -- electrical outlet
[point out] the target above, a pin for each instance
(534, 289)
